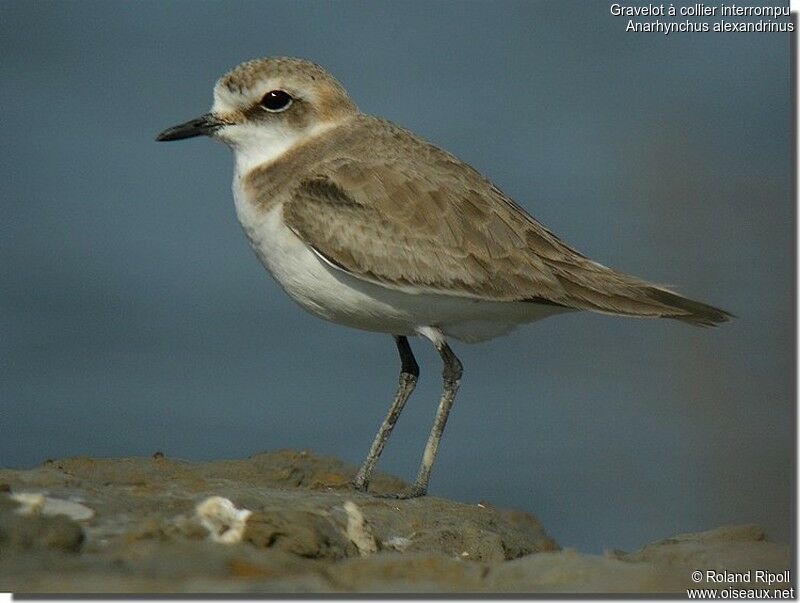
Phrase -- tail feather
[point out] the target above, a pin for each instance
(688, 310)
(588, 285)
(606, 290)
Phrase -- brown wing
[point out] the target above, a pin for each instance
(433, 223)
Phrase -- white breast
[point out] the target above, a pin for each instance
(335, 295)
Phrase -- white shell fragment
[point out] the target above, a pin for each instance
(398, 543)
(36, 503)
(224, 522)
(359, 531)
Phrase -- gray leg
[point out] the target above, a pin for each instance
(451, 377)
(409, 371)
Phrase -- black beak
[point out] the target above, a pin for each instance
(205, 125)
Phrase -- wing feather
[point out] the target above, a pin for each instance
(428, 222)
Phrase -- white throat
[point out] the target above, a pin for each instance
(255, 145)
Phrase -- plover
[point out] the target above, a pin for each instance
(366, 224)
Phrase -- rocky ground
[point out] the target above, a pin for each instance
(289, 521)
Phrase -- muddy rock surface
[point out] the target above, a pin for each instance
(289, 521)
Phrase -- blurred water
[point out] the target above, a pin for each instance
(134, 317)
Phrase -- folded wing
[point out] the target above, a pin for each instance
(436, 225)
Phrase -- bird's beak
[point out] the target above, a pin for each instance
(205, 125)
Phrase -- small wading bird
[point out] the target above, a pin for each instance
(368, 225)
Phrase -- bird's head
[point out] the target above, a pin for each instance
(263, 107)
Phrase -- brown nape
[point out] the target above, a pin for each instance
(698, 313)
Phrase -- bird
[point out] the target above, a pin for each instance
(368, 225)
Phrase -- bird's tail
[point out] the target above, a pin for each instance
(597, 287)
(688, 310)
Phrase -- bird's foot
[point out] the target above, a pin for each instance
(412, 492)
(360, 484)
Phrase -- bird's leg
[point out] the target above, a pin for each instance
(409, 371)
(451, 377)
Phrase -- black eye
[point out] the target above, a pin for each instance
(276, 100)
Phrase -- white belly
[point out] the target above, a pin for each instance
(335, 295)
